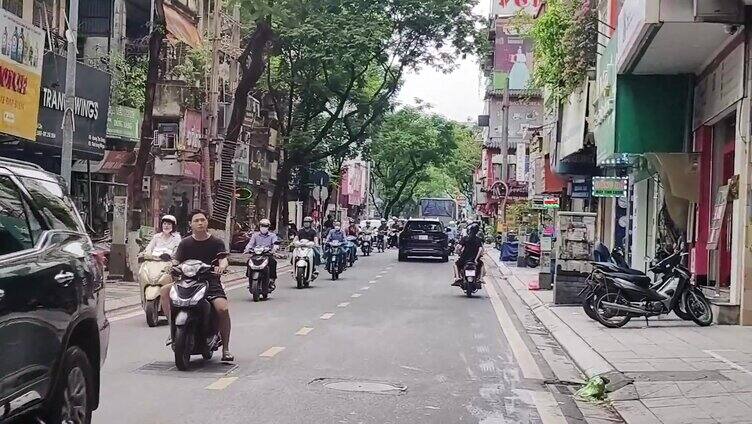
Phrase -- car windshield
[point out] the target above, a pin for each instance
(424, 226)
(54, 204)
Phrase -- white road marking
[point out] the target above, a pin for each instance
(304, 331)
(377, 277)
(327, 315)
(343, 304)
(365, 288)
(269, 353)
(731, 363)
(372, 281)
(356, 295)
(222, 383)
(521, 353)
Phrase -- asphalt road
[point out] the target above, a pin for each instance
(443, 357)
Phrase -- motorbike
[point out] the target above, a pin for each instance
(257, 272)
(381, 241)
(154, 273)
(351, 244)
(470, 282)
(628, 295)
(192, 325)
(393, 238)
(303, 262)
(336, 258)
(366, 242)
(532, 254)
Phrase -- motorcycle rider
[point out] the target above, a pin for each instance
(335, 234)
(309, 233)
(382, 231)
(266, 238)
(163, 245)
(470, 248)
(353, 229)
(205, 247)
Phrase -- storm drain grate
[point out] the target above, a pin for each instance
(199, 368)
(677, 376)
(361, 386)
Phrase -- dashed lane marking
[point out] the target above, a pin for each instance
(222, 383)
(356, 295)
(372, 281)
(327, 315)
(365, 288)
(269, 353)
(343, 304)
(304, 331)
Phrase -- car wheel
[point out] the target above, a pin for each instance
(445, 259)
(401, 257)
(71, 401)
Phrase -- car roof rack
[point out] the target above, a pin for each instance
(21, 163)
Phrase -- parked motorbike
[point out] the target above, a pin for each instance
(154, 273)
(630, 295)
(470, 279)
(336, 258)
(257, 272)
(192, 324)
(366, 242)
(532, 254)
(303, 260)
(352, 250)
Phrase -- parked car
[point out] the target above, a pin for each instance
(53, 329)
(423, 237)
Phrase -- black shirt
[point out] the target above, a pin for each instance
(470, 248)
(307, 234)
(205, 251)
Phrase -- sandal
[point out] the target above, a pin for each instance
(227, 357)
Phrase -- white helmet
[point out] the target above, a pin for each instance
(170, 218)
(265, 223)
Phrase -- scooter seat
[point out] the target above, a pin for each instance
(612, 267)
(640, 280)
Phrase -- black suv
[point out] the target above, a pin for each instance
(423, 237)
(53, 330)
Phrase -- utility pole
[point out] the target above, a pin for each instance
(505, 143)
(213, 103)
(66, 155)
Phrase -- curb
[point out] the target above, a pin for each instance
(231, 282)
(587, 359)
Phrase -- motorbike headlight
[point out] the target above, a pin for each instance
(197, 297)
(174, 295)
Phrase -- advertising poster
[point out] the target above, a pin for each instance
(21, 56)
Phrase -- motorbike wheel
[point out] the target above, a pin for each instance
(265, 290)
(152, 312)
(299, 279)
(588, 305)
(531, 262)
(254, 289)
(698, 307)
(469, 290)
(680, 311)
(607, 316)
(183, 345)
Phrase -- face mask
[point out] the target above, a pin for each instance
(264, 230)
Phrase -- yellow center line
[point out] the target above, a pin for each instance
(222, 383)
(304, 331)
(269, 353)
(327, 315)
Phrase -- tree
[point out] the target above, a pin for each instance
(463, 162)
(401, 152)
(339, 63)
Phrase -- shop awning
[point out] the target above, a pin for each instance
(111, 164)
(678, 173)
(181, 28)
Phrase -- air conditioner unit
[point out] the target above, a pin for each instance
(719, 11)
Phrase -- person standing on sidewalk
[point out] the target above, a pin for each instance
(470, 248)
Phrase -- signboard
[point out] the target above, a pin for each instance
(499, 191)
(581, 189)
(536, 202)
(610, 186)
(123, 122)
(551, 202)
(521, 168)
(21, 55)
(513, 53)
(720, 88)
(91, 108)
(719, 213)
(511, 7)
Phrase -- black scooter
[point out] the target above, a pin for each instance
(257, 272)
(470, 282)
(628, 295)
(192, 322)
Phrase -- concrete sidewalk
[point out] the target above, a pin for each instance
(679, 372)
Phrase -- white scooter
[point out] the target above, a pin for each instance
(303, 262)
(152, 275)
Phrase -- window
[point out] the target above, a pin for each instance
(14, 6)
(424, 226)
(54, 204)
(15, 231)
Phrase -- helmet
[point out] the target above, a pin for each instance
(308, 219)
(473, 229)
(171, 219)
(265, 223)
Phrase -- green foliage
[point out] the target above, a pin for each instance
(194, 67)
(128, 80)
(565, 37)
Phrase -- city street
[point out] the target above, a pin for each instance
(437, 356)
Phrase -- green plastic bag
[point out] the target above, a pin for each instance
(594, 390)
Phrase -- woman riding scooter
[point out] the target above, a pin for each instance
(155, 269)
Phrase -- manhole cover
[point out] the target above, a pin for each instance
(199, 368)
(366, 387)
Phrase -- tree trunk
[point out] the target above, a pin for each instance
(135, 182)
(283, 180)
(252, 64)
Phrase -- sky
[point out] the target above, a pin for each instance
(457, 95)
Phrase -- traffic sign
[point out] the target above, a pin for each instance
(320, 178)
